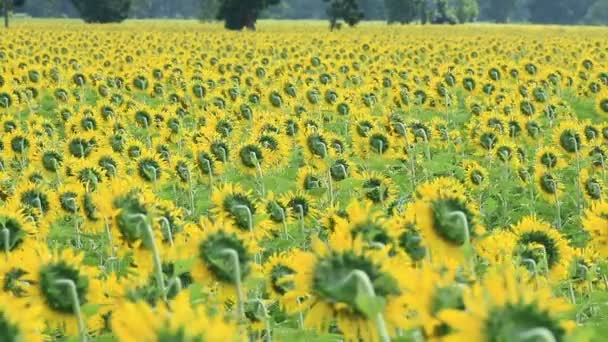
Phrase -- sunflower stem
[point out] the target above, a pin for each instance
(175, 282)
(259, 169)
(208, 165)
(249, 216)
(158, 266)
(532, 262)
(267, 319)
(164, 223)
(73, 293)
(540, 333)
(6, 235)
(579, 192)
(300, 209)
(191, 193)
(331, 188)
(557, 204)
(427, 149)
(234, 258)
(364, 283)
(587, 276)
(462, 217)
(283, 220)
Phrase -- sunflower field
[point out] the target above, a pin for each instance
(171, 181)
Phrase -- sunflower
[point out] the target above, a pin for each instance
(50, 291)
(177, 321)
(302, 206)
(569, 136)
(407, 236)
(252, 158)
(592, 185)
(377, 188)
(315, 145)
(206, 163)
(277, 211)
(279, 279)
(216, 248)
(476, 176)
(439, 214)
(548, 185)
(506, 306)
(151, 168)
(437, 289)
(506, 153)
(550, 158)
(601, 102)
(538, 241)
(16, 231)
(237, 207)
(86, 172)
(35, 201)
(371, 225)
(276, 148)
(20, 321)
(328, 281)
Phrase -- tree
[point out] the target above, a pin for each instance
(9, 4)
(103, 11)
(209, 9)
(558, 11)
(347, 10)
(402, 11)
(465, 10)
(238, 14)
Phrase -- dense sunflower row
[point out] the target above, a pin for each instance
(180, 183)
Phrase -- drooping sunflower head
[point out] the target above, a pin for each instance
(235, 205)
(476, 176)
(592, 185)
(507, 306)
(538, 241)
(569, 136)
(549, 185)
(550, 158)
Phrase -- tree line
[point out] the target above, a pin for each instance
(239, 14)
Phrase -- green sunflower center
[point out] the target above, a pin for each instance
(591, 132)
(513, 321)
(51, 161)
(372, 232)
(528, 242)
(149, 170)
(593, 189)
(13, 234)
(570, 141)
(333, 281)
(378, 143)
(212, 252)
(411, 242)
(276, 212)
(339, 170)
(488, 140)
(220, 151)
(363, 127)
(548, 184)
(476, 177)
(299, 206)
(317, 145)
(375, 190)
(311, 182)
(235, 205)
(129, 220)
(205, 162)
(446, 225)
(80, 148)
(109, 165)
(276, 279)
(548, 159)
(14, 282)
(68, 201)
(55, 294)
(36, 200)
(19, 144)
(604, 106)
(251, 156)
(269, 142)
(8, 331)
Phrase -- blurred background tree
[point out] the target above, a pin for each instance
(102, 11)
(238, 14)
(393, 11)
(346, 10)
